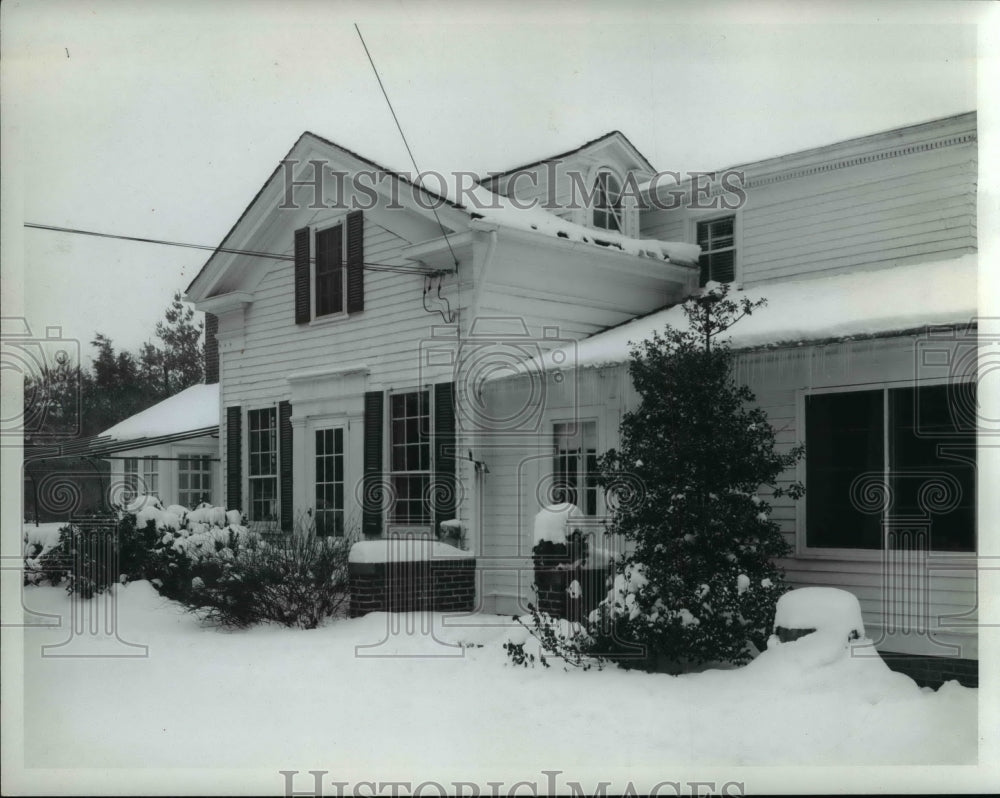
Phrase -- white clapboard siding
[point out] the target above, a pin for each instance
(776, 377)
(905, 205)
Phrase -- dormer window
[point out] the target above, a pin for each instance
(608, 211)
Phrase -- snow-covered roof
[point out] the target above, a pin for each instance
(496, 208)
(850, 304)
(193, 408)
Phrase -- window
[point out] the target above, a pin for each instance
(891, 458)
(151, 475)
(330, 271)
(330, 482)
(263, 471)
(608, 212)
(574, 472)
(131, 469)
(717, 239)
(194, 479)
(410, 457)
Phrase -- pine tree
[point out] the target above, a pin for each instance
(701, 581)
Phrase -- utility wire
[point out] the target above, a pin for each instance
(402, 135)
(377, 267)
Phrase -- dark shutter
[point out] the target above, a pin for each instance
(234, 458)
(285, 464)
(211, 349)
(372, 492)
(355, 262)
(302, 309)
(444, 492)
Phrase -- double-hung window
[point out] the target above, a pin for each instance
(151, 475)
(263, 464)
(330, 272)
(194, 479)
(410, 457)
(131, 478)
(891, 459)
(574, 477)
(608, 211)
(717, 239)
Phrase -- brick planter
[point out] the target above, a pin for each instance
(442, 585)
(552, 589)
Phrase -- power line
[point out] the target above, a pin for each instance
(376, 267)
(402, 135)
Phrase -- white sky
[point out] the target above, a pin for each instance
(162, 119)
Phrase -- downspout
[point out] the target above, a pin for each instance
(487, 261)
(478, 476)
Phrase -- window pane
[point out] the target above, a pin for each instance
(844, 440)
(933, 466)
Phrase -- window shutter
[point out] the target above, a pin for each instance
(285, 464)
(234, 458)
(355, 262)
(372, 491)
(302, 299)
(444, 490)
(211, 349)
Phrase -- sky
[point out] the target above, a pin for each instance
(163, 119)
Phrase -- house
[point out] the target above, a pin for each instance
(390, 358)
(169, 450)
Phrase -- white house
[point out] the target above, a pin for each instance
(389, 359)
(169, 450)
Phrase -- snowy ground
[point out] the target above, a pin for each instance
(306, 699)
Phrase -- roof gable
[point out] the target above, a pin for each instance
(271, 207)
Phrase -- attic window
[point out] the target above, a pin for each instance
(608, 212)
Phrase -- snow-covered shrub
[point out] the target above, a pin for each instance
(544, 637)
(94, 556)
(295, 580)
(704, 539)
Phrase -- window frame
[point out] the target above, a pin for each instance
(130, 478)
(390, 523)
(802, 548)
(600, 508)
(204, 473)
(619, 210)
(151, 475)
(313, 431)
(249, 478)
(715, 216)
(314, 233)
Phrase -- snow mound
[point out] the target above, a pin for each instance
(193, 408)
(404, 550)
(551, 522)
(44, 536)
(826, 609)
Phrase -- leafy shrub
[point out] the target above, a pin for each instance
(559, 638)
(701, 582)
(295, 580)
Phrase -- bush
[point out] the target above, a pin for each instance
(559, 638)
(295, 580)
(701, 582)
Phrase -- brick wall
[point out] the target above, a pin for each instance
(934, 671)
(552, 589)
(439, 585)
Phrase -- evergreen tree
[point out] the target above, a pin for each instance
(701, 581)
